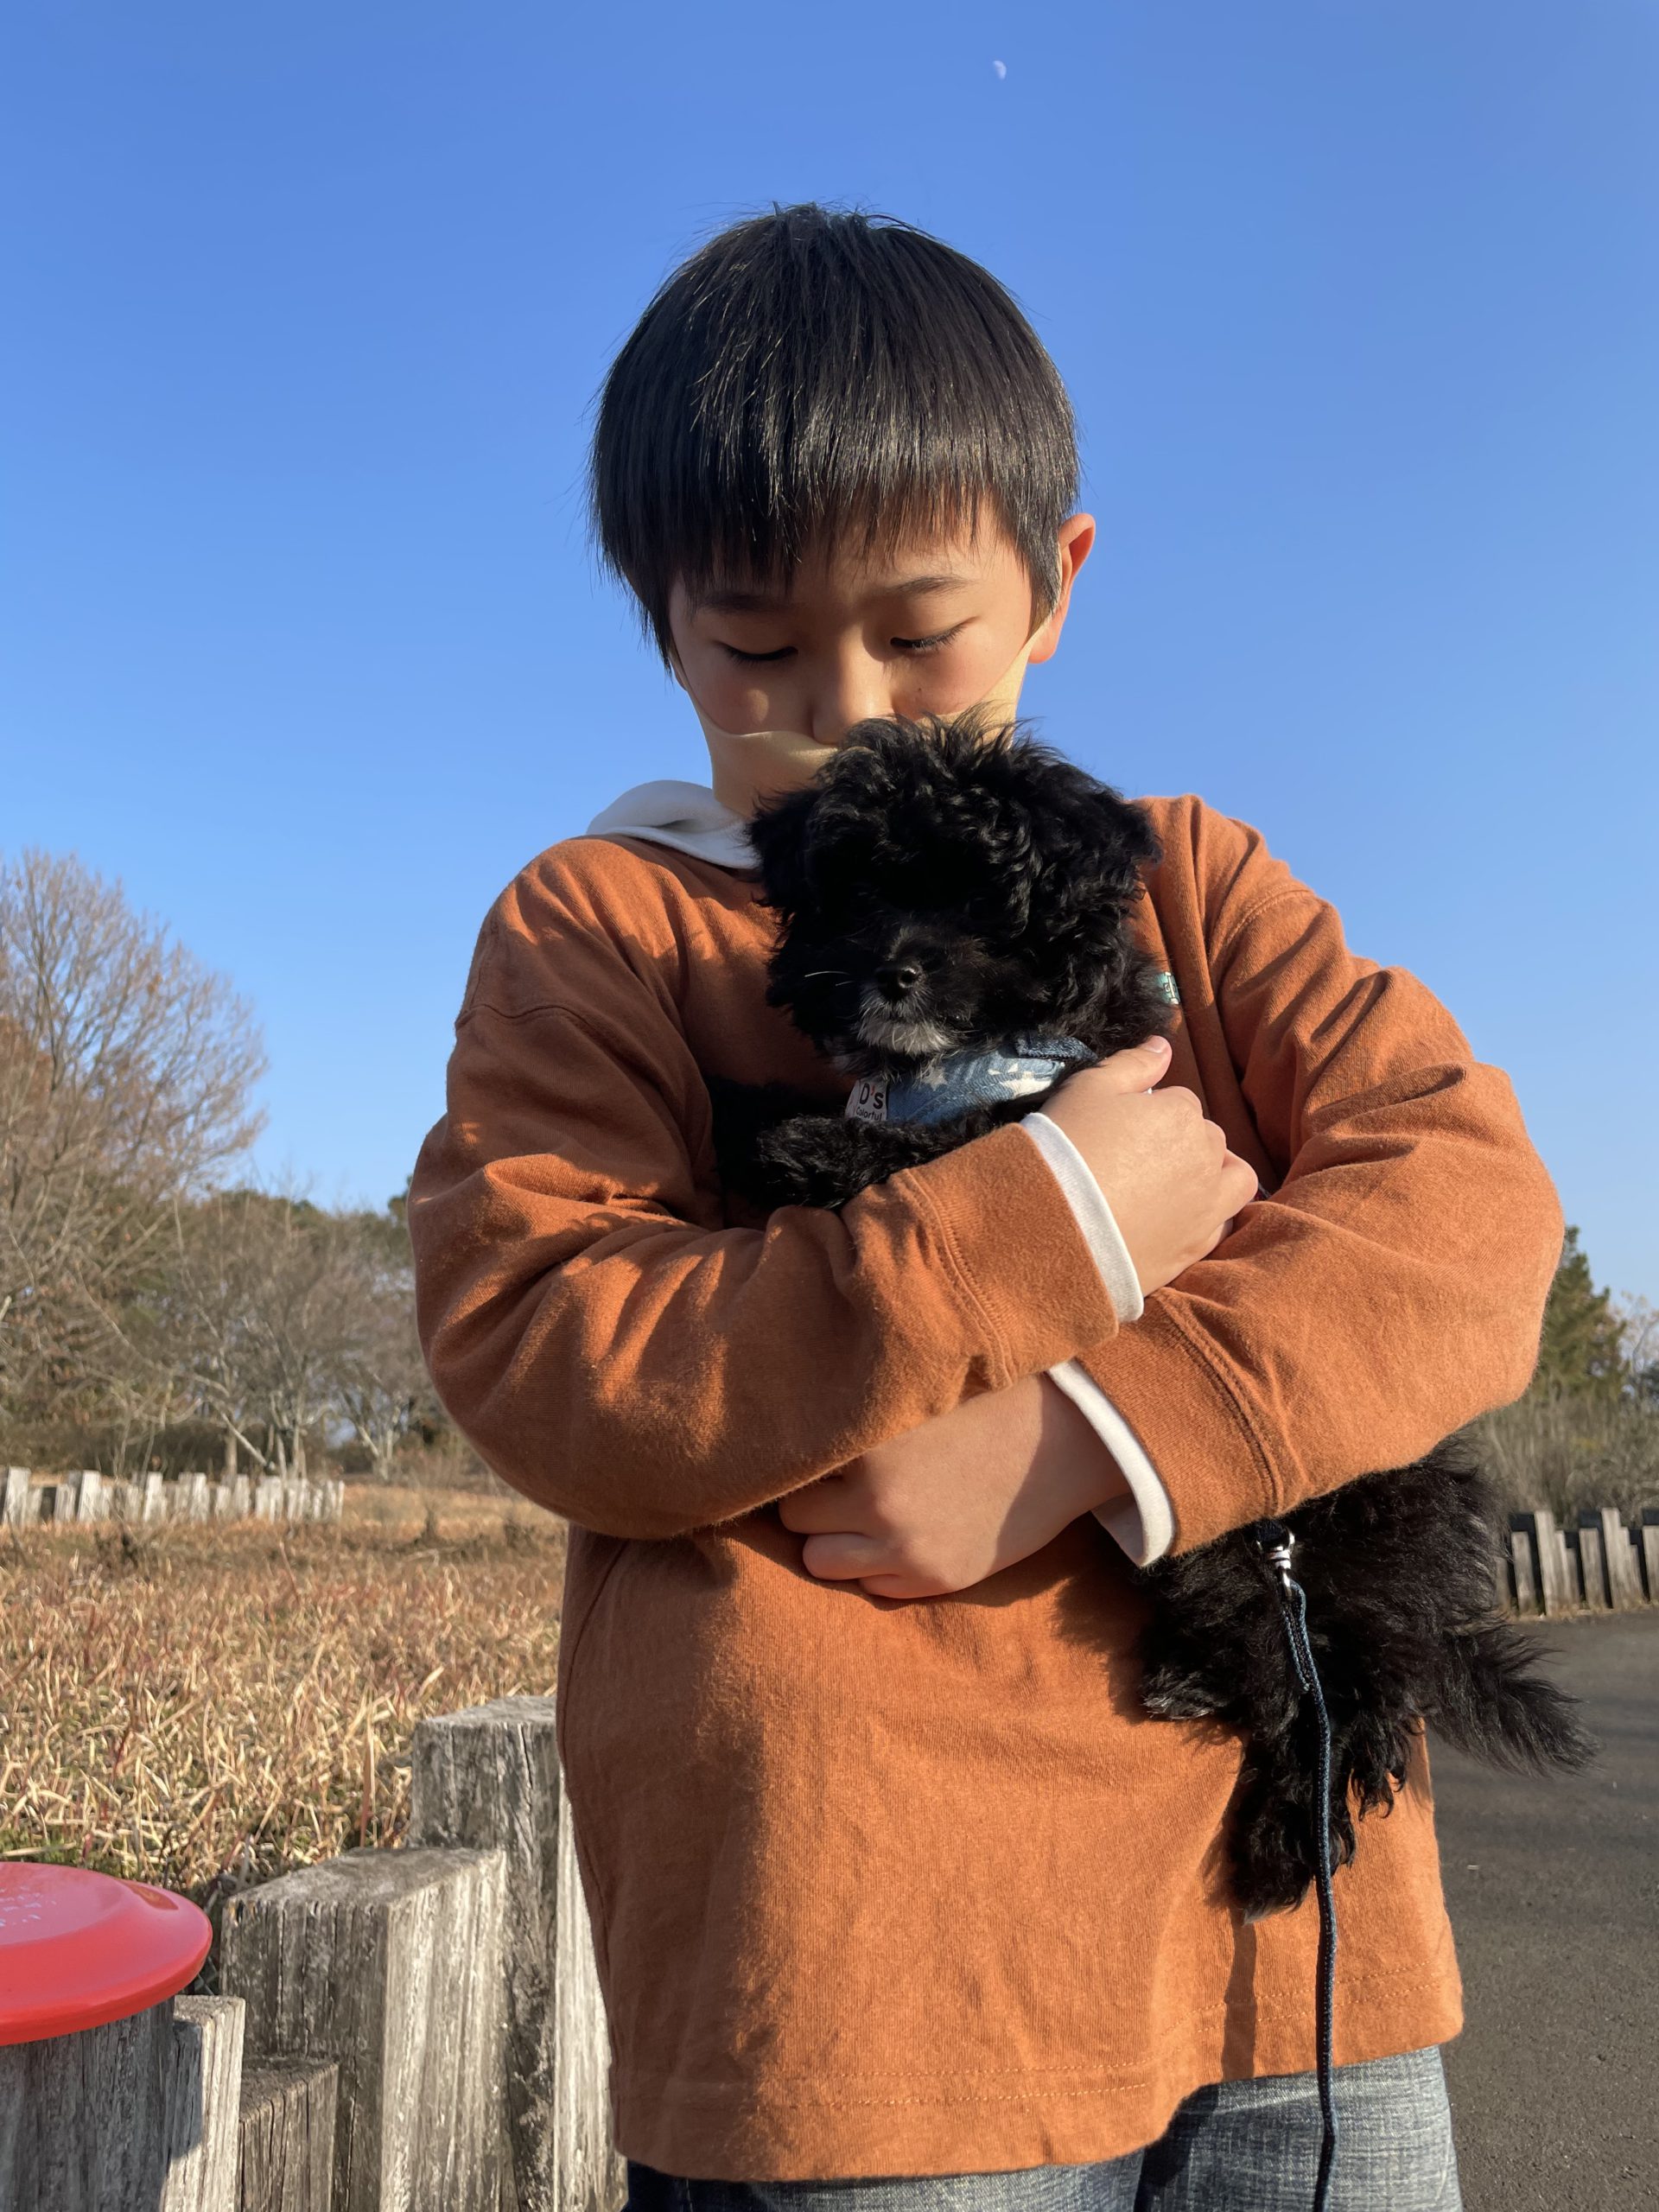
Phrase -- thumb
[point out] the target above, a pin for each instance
(1137, 1067)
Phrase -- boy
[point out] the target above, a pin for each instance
(887, 1874)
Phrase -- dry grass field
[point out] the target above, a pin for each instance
(207, 1707)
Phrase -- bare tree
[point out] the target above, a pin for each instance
(125, 1070)
(380, 1381)
(259, 1295)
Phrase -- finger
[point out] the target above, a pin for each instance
(1137, 1067)
(896, 1585)
(844, 1557)
(1239, 1184)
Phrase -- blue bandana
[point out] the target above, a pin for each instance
(964, 1080)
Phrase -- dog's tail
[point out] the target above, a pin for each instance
(1493, 1703)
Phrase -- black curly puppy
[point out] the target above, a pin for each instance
(955, 908)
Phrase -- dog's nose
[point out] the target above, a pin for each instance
(899, 978)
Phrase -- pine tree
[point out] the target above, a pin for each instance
(1582, 1354)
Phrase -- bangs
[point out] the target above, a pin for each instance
(812, 377)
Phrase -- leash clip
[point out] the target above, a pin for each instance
(1277, 1544)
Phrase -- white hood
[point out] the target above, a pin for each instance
(686, 817)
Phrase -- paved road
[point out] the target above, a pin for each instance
(1553, 1890)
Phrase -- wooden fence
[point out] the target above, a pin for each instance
(413, 2030)
(90, 1495)
(1598, 1564)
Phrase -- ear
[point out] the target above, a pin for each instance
(1076, 542)
(780, 833)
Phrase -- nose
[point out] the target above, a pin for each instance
(899, 978)
(854, 688)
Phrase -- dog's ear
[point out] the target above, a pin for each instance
(780, 833)
(1101, 838)
(1124, 831)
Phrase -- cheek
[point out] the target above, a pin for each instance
(948, 682)
(734, 697)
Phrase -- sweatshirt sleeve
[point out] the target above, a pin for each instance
(1141, 1522)
(618, 1353)
(1392, 1286)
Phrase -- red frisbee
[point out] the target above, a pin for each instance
(78, 1949)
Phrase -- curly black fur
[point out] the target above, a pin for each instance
(940, 887)
(996, 876)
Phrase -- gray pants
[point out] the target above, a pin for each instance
(1243, 2146)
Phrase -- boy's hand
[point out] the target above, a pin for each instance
(955, 1500)
(1171, 1182)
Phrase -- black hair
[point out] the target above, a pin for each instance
(815, 372)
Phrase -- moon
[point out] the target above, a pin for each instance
(1001, 68)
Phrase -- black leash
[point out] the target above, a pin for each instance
(1278, 1542)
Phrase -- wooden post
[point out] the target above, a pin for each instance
(337, 1499)
(1591, 1564)
(241, 1497)
(1552, 1570)
(190, 1504)
(490, 1776)
(155, 1508)
(203, 2101)
(1526, 1580)
(91, 1495)
(268, 1498)
(1651, 1552)
(288, 2135)
(389, 1961)
(139, 2115)
(1624, 1576)
(16, 1505)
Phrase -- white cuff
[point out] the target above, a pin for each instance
(1144, 1521)
(1094, 1217)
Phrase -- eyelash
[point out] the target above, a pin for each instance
(912, 648)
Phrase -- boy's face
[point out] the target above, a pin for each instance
(933, 626)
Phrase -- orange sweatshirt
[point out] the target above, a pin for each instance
(881, 1887)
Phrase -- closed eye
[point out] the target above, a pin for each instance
(908, 646)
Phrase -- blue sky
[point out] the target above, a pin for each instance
(1359, 307)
